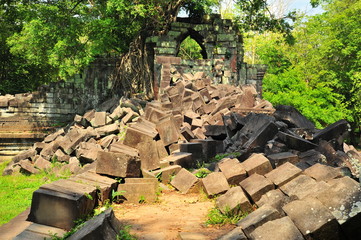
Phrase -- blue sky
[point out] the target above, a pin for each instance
(305, 6)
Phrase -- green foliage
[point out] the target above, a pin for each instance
(16, 192)
(216, 217)
(116, 195)
(219, 157)
(124, 234)
(202, 173)
(190, 49)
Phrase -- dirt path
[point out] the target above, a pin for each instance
(174, 215)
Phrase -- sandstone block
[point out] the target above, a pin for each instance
(72, 200)
(343, 199)
(321, 172)
(278, 159)
(283, 174)
(278, 229)
(234, 200)
(235, 234)
(139, 190)
(233, 170)
(61, 156)
(257, 163)
(99, 119)
(103, 226)
(215, 183)
(165, 174)
(184, 181)
(209, 148)
(302, 186)
(274, 198)
(108, 129)
(296, 142)
(27, 168)
(313, 219)
(24, 155)
(196, 149)
(41, 163)
(258, 218)
(118, 164)
(38, 231)
(256, 185)
(179, 158)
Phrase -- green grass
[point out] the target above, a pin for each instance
(16, 192)
(216, 217)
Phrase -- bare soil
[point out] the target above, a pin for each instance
(173, 215)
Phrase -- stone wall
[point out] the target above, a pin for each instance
(222, 53)
(28, 117)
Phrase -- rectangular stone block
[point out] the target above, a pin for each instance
(167, 131)
(296, 142)
(139, 192)
(37, 231)
(321, 172)
(233, 170)
(313, 219)
(215, 183)
(256, 185)
(275, 198)
(118, 164)
(257, 163)
(257, 218)
(196, 149)
(72, 200)
(278, 159)
(282, 228)
(184, 181)
(235, 201)
(165, 174)
(283, 174)
(179, 158)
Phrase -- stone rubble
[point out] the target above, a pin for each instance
(275, 161)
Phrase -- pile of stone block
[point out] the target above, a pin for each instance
(283, 165)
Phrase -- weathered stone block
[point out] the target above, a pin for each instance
(72, 200)
(108, 129)
(41, 163)
(103, 226)
(302, 186)
(257, 163)
(278, 159)
(261, 136)
(258, 218)
(256, 185)
(296, 142)
(179, 158)
(165, 174)
(184, 181)
(235, 234)
(313, 219)
(282, 228)
(139, 190)
(27, 168)
(322, 172)
(196, 149)
(234, 200)
(24, 155)
(274, 198)
(217, 132)
(343, 199)
(103, 184)
(61, 156)
(233, 170)
(215, 183)
(99, 119)
(283, 174)
(37, 231)
(118, 164)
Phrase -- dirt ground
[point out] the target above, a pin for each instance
(174, 215)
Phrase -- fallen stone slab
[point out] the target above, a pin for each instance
(165, 174)
(303, 186)
(37, 231)
(184, 181)
(217, 132)
(333, 131)
(258, 218)
(233, 170)
(27, 167)
(196, 149)
(234, 201)
(108, 129)
(209, 148)
(283, 174)
(168, 131)
(257, 163)
(235, 234)
(256, 185)
(125, 164)
(42, 163)
(104, 185)
(72, 200)
(274, 198)
(278, 159)
(313, 219)
(24, 155)
(296, 142)
(343, 199)
(215, 183)
(292, 117)
(138, 190)
(282, 228)
(99, 119)
(182, 159)
(103, 226)
(321, 172)
(260, 137)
